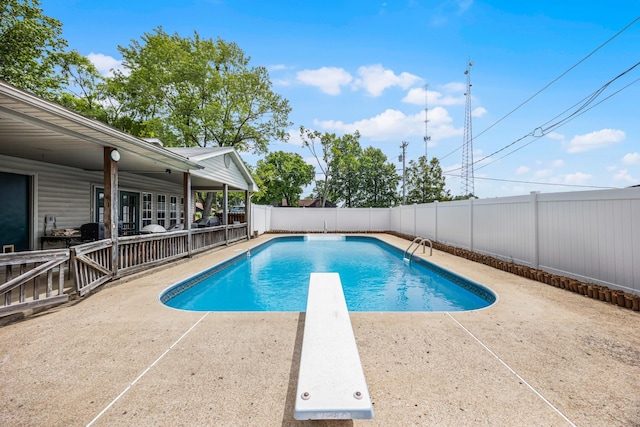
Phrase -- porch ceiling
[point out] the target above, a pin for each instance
(36, 129)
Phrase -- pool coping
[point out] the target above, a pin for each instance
(476, 288)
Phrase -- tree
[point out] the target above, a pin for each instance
(378, 180)
(337, 162)
(32, 50)
(426, 182)
(196, 92)
(282, 176)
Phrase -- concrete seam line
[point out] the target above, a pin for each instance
(512, 371)
(146, 370)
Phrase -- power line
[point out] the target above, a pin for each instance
(550, 83)
(538, 183)
(541, 131)
(561, 75)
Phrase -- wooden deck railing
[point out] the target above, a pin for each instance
(21, 273)
(91, 265)
(207, 238)
(24, 272)
(136, 253)
(237, 232)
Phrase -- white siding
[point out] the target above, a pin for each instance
(68, 193)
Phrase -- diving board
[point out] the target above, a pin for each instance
(331, 382)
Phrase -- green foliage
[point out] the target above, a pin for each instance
(32, 50)
(426, 182)
(378, 180)
(281, 176)
(197, 92)
(352, 176)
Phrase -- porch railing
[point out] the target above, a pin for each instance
(22, 273)
(27, 280)
(136, 253)
(207, 238)
(91, 265)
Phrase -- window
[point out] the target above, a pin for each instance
(161, 208)
(181, 207)
(147, 209)
(173, 210)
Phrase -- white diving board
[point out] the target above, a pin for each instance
(331, 382)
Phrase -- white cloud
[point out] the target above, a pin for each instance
(416, 96)
(594, 140)
(631, 158)
(555, 136)
(557, 163)
(394, 125)
(455, 87)
(105, 64)
(375, 79)
(522, 170)
(623, 175)
(543, 173)
(277, 67)
(577, 178)
(478, 112)
(328, 79)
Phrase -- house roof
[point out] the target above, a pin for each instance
(221, 164)
(35, 128)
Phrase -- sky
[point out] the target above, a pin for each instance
(554, 95)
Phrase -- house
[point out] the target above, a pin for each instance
(59, 169)
(310, 203)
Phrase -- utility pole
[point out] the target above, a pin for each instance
(403, 157)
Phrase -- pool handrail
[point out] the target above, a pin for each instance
(420, 241)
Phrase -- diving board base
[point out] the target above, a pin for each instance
(331, 382)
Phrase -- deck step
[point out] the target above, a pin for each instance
(331, 382)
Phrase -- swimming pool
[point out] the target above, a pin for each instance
(274, 276)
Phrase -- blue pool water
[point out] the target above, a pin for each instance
(275, 277)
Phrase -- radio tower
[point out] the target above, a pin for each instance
(427, 138)
(467, 143)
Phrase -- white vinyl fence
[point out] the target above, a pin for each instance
(592, 236)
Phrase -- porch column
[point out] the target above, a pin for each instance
(186, 195)
(111, 157)
(247, 213)
(225, 211)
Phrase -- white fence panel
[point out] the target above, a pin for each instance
(260, 218)
(426, 220)
(379, 219)
(454, 223)
(407, 219)
(504, 228)
(593, 236)
(356, 219)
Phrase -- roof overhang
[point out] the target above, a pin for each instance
(38, 129)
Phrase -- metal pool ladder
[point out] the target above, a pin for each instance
(419, 241)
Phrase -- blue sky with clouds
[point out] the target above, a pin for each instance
(554, 88)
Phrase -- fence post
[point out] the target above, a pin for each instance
(535, 249)
(471, 223)
(435, 226)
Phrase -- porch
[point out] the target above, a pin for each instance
(42, 279)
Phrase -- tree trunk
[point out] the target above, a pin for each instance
(208, 203)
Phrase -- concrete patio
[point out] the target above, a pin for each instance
(540, 356)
